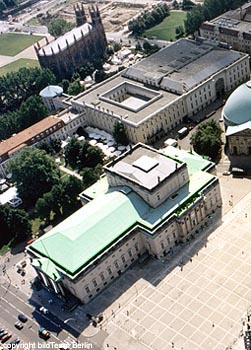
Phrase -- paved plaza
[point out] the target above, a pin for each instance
(195, 300)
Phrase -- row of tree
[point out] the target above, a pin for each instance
(31, 111)
(81, 155)
(16, 87)
(148, 19)
(61, 201)
(59, 26)
(210, 9)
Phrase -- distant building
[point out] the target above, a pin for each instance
(53, 127)
(148, 202)
(237, 118)
(75, 48)
(232, 27)
(160, 92)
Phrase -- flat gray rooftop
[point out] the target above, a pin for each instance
(91, 97)
(144, 166)
(184, 63)
(232, 19)
(179, 67)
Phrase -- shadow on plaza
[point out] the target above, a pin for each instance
(124, 287)
(151, 270)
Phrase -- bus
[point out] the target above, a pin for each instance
(183, 132)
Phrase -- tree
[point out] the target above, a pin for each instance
(5, 234)
(90, 156)
(89, 177)
(71, 189)
(19, 224)
(57, 199)
(180, 32)
(148, 19)
(34, 173)
(187, 5)
(109, 50)
(116, 46)
(59, 26)
(15, 225)
(119, 134)
(207, 139)
(99, 75)
(32, 111)
(16, 87)
(65, 85)
(56, 146)
(175, 5)
(45, 146)
(43, 207)
(74, 88)
(194, 19)
(72, 151)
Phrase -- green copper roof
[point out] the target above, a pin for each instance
(48, 267)
(91, 230)
(194, 161)
(87, 232)
(95, 190)
(237, 109)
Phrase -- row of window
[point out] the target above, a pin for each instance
(116, 265)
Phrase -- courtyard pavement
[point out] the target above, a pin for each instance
(200, 303)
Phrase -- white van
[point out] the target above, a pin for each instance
(170, 142)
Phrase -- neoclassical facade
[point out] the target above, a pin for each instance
(148, 202)
(157, 94)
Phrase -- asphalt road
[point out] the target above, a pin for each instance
(13, 302)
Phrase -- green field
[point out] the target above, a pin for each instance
(15, 66)
(166, 29)
(11, 44)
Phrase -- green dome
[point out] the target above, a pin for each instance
(237, 109)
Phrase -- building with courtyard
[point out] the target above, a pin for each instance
(160, 92)
(147, 202)
(71, 51)
(237, 119)
(232, 27)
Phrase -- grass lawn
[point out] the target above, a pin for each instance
(15, 66)
(11, 44)
(166, 29)
(36, 223)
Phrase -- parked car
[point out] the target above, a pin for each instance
(43, 310)
(6, 337)
(13, 343)
(19, 325)
(43, 333)
(22, 318)
(2, 334)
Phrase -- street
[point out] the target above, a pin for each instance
(14, 302)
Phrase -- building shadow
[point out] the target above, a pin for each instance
(125, 287)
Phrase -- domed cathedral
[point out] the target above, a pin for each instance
(75, 48)
(236, 115)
